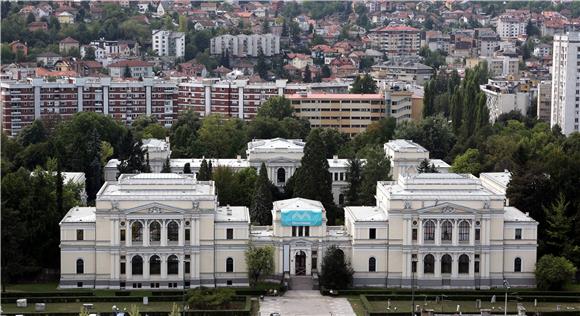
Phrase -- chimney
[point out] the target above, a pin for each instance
(239, 158)
(335, 158)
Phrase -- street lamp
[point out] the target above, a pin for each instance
(413, 269)
(506, 285)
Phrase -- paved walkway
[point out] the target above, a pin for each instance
(305, 303)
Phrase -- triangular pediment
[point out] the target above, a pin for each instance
(447, 208)
(154, 208)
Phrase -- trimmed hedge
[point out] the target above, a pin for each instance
(94, 299)
(46, 294)
(524, 298)
(382, 291)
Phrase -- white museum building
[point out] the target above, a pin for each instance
(167, 230)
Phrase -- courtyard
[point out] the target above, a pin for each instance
(305, 303)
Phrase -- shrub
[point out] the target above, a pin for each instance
(204, 298)
(553, 273)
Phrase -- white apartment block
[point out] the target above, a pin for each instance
(246, 45)
(501, 66)
(511, 26)
(168, 43)
(566, 82)
(503, 97)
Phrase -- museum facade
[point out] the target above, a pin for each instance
(167, 230)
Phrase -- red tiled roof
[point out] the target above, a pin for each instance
(398, 28)
(69, 40)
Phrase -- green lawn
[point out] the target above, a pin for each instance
(467, 306)
(98, 307)
(357, 305)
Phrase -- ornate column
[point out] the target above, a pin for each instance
(128, 268)
(146, 271)
(180, 267)
(163, 233)
(420, 233)
(438, 232)
(454, 266)
(128, 234)
(472, 266)
(164, 267)
(181, 235)
(146, 233)
(437, 265)
(472, 233)
(454, 233)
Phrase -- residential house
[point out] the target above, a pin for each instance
(18, 46)
(65, 18)
(34, 26)
(136, 68)
(48, 59)
(67, 44)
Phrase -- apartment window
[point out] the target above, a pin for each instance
(230, 233)
(80, 234)
(372, 233)
(518, 233)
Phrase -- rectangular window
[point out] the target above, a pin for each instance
(230, 233)
(477, 234)
(122, 235)
(476, 267)
(122, 267)
(187, 266)
(518, 233)
(79, 284)
(80, 234)
(187, 234)
(293, 231)
(300, 231)
(372, 233)
(307, 231)
(414, 234)
(414, 267)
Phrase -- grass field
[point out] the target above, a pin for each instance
(98, 307)
(467, 306)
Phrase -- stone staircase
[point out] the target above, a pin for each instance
(303, 282)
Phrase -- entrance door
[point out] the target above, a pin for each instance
(300, 263)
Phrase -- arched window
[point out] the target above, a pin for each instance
(429, 264)
(372, 264)
(155, 265)
(446, 230)
(172, 231)
(229, 265)
(137, 265)
(155, 231)
(137, 231)
(518, 265)
(281, 175)
(172, 265)
(80, 266)
(446, 264)
(464, 231)
(429, 233)
(463, 264)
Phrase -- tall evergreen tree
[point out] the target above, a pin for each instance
(260, 210)
(187, 168)
(59, 188)
(482, 116)
(166, 166)
(558, 227)
(425, 167)
(354, 178)
(364, 84)
(204, 173)
(376, 168)
(312, 177)
(307, 74)
(134, 158)
(94, 172)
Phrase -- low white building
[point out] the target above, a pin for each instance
(406, 155)
(167, 231)
(503, 97)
